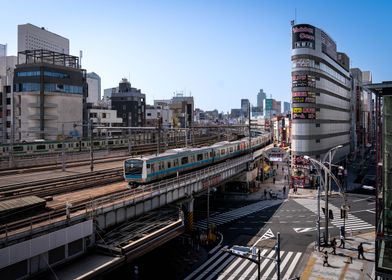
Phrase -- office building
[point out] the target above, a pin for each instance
(321, 93)
(94, 88)
(182, 108)
(286, 108)
(49, 97)
(31, 37)
(245, 107)
(130, 104)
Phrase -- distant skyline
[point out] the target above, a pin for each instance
(218, 51)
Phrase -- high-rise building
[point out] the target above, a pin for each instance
(49, 97)
(321, 93)
(261, 96)
(286, 108)
(31, 37)
(245, 107)
(130, 104)
(94, 88)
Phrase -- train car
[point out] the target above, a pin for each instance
(150, 168)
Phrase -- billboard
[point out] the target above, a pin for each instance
(304, 113)
(303, 97)
(303, 80)
(303, 36)
(328, 46)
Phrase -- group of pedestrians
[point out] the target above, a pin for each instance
(342, 244)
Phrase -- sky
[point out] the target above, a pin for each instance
(218, 51)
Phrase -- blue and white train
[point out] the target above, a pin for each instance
(145, 169)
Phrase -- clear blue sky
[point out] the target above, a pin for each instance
(219, 51)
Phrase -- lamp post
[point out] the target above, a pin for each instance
(324, 184)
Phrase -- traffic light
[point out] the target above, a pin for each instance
(330, 214)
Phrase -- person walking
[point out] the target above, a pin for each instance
(284, 190)
(265, 193)
(333, 243)
(342, 243)
(273, 180)
(270, 193)
(360, 251)
(325, 258)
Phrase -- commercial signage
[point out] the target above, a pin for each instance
(303, 97)
(328, 46)
(303, 36)
(304, 113)
(303, 80)
(276, 154)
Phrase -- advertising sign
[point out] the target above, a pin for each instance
(304, 113)
(303, 97)
(303, 80)
(303, 36)
(328, 46)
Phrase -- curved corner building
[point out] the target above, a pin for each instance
(321, 91)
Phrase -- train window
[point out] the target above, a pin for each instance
(231, 149)
(210, 154)
(18, 149)
(83, 144)
(206, 155)
(70, 145)
(199, 157)
(110, 142)
(184, 160)
(152, 167)
(41, 147)
(148, 166)
(223, 151)
(59, 146)
(176, 162)
(97, 143)
(77, 144)
(168, 164)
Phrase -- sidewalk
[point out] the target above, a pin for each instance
(341, 266)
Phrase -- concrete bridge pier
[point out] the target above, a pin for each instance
(188, 213)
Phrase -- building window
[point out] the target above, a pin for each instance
(317, 140)
(317, 125)
(104, 115)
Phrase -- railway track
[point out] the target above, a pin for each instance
(44, 188)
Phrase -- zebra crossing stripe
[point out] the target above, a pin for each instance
(231, 267)
(204, 265)
(205, 272)
(287, 275)
(302, 230)
(351, 222)
(220, 268)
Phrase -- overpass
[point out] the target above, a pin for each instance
(29, 249)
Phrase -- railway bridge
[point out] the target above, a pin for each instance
(31, 248)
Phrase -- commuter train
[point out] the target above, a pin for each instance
(43, 147)
(145, 169)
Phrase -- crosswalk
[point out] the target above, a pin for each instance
(352, 223)
(222, 218)
(224, 266)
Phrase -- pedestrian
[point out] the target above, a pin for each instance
(277, 166)
(273, 180)
(342, 243)
(265, 193)
(295, 190)
(333, 243)
(360, 251)
(270, 193)
(325, 258)
(284, 190)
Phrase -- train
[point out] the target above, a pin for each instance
(150, 168)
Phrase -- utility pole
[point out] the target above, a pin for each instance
(62, 148)
(90, 124)
(185, 121)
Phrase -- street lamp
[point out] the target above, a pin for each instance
(323, 182)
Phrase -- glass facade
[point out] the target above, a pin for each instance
(46, 74)
(24, 87)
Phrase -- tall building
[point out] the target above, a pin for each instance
(31, 37)
(182, 108)
(286, 108)
(245, 107)
(383, 108)
(261, 96)
(94, 88)
(130, 104)
(271, 107)
(7, 66)
(49, 97)
(321, 93)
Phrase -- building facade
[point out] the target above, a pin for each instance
(286, 108)
(245, 107)
(48, 97)
(106, 121)
(321, 93)
(94, 88)
(130, 104)
(31, 37)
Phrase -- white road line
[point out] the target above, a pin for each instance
(205, 272)
(204, 265)
(270, 268)
(270, 255)
(230, 268)
(237, 271)
(212, 275)
(362, 199)
(292, 266)
(285, 260)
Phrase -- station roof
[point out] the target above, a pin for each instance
(22, 202)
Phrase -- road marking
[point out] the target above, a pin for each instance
(212, 275)
(267, 235)
(292, 266)
(371, 211)
(302, 230)
(371, 203)
(362, 199)
(308, 269)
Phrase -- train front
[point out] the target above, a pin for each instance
(134, 171)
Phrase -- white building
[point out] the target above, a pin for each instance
(94, 88)
(105, 118)
(31, 37)
(155, 112)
